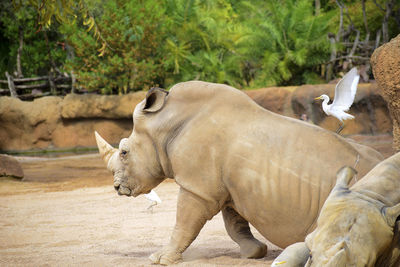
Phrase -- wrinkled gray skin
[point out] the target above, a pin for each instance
(229, 154)
(357, 227)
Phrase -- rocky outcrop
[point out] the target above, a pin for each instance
(369, 109)
(76, 106)
(10, 167)
(55, 122)
(385, 63)
(25, 125)
(50, 122)
(275, 99)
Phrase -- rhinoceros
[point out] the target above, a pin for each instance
(229, 154)
(357, 227)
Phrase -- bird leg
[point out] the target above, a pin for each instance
(340, 128)
(150, 207)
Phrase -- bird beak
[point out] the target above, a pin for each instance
(317, 98)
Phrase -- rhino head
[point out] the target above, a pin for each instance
(353, 229)
(136, 163)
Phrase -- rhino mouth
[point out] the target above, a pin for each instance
(122, 190)
(125, 191)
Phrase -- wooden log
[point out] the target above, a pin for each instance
(32, 96)
(35, 79)
(348, 57)
(64, 86)
(32, 86)
(11, 85)
(62, 79)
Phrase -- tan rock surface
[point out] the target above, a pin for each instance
(55, 122)
(385, 63)
(100, 106)
(28, 124)
(50, 122)
(10, 167)
(369, 109)
(275, 99)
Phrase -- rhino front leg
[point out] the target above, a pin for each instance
(192, 214)
(238, 229)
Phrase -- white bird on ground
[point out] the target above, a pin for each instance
(345, 92)
(153, 198)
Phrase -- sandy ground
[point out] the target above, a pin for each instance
(66, 213)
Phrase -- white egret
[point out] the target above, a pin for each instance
(345, 92)
(153, 198)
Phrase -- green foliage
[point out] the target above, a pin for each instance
(133, 32)
(288, 44)
(124, 45)
(34, 57)
(200, 42)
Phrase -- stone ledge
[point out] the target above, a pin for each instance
(56, 122)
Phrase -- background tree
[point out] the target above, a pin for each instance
(119, 46)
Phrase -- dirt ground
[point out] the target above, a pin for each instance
(65, 212)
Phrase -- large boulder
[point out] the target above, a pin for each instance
(26, 125)
(369, 109)
(275, 99)
(385, 63)
(100, 106)
(56, 122)
(49, 122)
(10, 167)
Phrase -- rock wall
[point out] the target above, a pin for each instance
(385, 63)
(56, 122)
(369, 108)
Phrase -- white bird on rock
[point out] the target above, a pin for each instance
(153, 198)
(345, 92)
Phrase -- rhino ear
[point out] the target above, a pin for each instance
(155, 99)
(344, 176)
(391, 214)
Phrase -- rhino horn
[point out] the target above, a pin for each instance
(391, 214)
(105, 149)
(344, 176)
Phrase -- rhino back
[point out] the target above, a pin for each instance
(275, 171)
(382, 182)
(281, 172)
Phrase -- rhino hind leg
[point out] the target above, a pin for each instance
(238, 229)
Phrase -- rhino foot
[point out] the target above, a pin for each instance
(253, 249)
(165, 257)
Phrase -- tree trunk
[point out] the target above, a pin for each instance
(329, 68)
(365, 22)
(11, 85)
(19, 52)
(385, 28)
(52, 63)
(71, 56)
(53, 87)
(317, 7)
